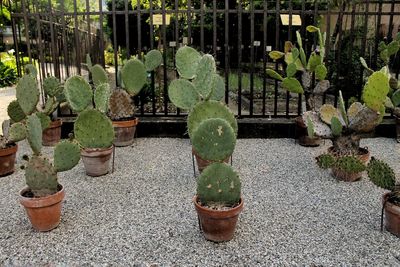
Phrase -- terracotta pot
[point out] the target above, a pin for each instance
(302, 134)
(363, 155)
(43, 212)
(218, 225)
(392, 216)
(125, 132)
(203, 163)
(52, 134)
(96, 160)
(7, 160)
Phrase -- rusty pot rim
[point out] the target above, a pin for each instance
(9, 150)
(40, 202)
(232, 212)
(56, 123)
(361, 150)
(389, 205)
(126, 123)
(94, 152)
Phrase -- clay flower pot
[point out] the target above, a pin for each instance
(363, 156)
(203, 163)
(392, 215)
(52, 134)
(43, 212)
(7, 160)
(218, 225)
(125, 132)
(302, 134)
(96, 160)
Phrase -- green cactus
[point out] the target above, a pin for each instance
(365, 65)
(51, 86)
(336, 126)
(99, 75)
(275, 55)
(314, 61)
(204, 76)
(15, 111)
(93, 129)
(187, 60)
(342, 109)
(219, 184)
(31, 70)
(44, 120)
(218, 88)
(102, 96)
(393, 83)
(78, 93)
(273, 74)
(325, 161)
(27, 94)
(34, 133)
(375, 91)
(41, 177)
(310, 128)
(381, 174)
(17, 132)
(327, 112)
(320, 72)
(183, 94)
(134, 76)
(207, 110)
(291, 70)
(292, 85)
(50, 106)
(214, 139)
(66, 155)
(153, 59)
(350, 164)
(88, 62)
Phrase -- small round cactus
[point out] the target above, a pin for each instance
(350, 164)
(120, 105)
(219, 185)
(325, 161)
(78, 93)
(214, 139)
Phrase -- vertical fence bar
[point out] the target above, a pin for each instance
(128, 50)
(55, 54)
(364, 41)
(115, 44)
(189, 21)
(215, 28)
(390, 30)
(202, 25)
(164, 42)
(16, 44)
(89, 26)
(153, 89)
(139, 31)
(251, 107)
(178, 110)
(26, 24)
(350, 54)
(64, 39)
(77, 39)
(101, 43)
(302, 31)
(264, 46)
(378, 24)
(339, 48)
(277, 29)
(240, 31)
(289, 39)
(226, 51)
(327, 44)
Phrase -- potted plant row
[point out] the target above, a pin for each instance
(212, 129)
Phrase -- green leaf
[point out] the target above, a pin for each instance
(388, 103)
(274, 74)
(291, 70)
(342, 108)
(320, 72)
(393, 48)
(314, 61)
(365, 65)
(275, 55)
(292, 85)
(336, 126)
(396, 98)
(299, 40)
(311, 28)
(303, 57)
(295, 53)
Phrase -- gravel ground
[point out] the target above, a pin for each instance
(295, 214)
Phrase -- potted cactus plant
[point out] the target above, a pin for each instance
(43, 197)
(92, 129)
(212, 127)
(8, 151)
(382, 175)
(311, 69)
(345, 127)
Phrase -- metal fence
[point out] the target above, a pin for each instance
(239, 33)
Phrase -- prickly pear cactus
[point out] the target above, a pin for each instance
(93, 129)
(187, 60)
(273, 74)
(336, 126)
(51, 86)
(30, 70)
(375, 91)
(78, 93)
(44, 120)
(27, 94)
(41, 177)
(153, 59)
(15, 111)
(218, 88)
(102, 96)
(34, 133)
(204, 76)
(66, 155)
(327, 112)
(50, 106)
(353, 110)
(325, 161)
(183, 94)
(381, 174)
(207, 110)
(120, 105)
(214, 139)
(350, 164)
(17, 132)
(99, 75)
(134, 76)
(219, 185)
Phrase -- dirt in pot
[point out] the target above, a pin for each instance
(218, 206)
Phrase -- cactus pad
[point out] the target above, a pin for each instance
(93, 129)
(50, 106)
(273, 74)
(214, 139)
(204, 76)
(292, 85)
(291, 70)
(327, 112)
(365, 120)
(325, 161)
(27, 94)
(187, 60)
(99, 75)
(17, 132)
(336, 126)
(120, 105)
(375, 90)
(15, 111)
(314, 61)
(210, 109)
(66, 155)
(153, 59)
(275, 55)
(365, 65)
(219, 184)
(34, 133)
(41, 177)
(78, 93)
(31, 70)
(51, 86)
(321, 87)
(134, 76)
(44, 120)
(353, 110)
(395, 98)
(183, 94)
(342, 109)
(310, 128)
(320, 72)
(381, 174)
(102, 96)
(218, 89)
(321, 129)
